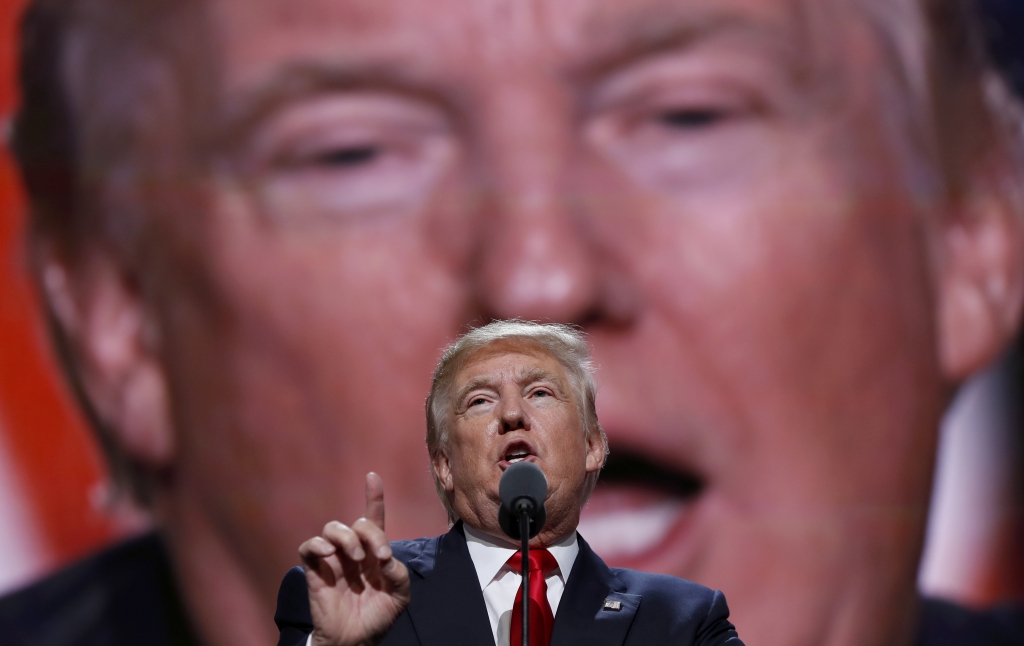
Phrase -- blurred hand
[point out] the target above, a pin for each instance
(357, 588)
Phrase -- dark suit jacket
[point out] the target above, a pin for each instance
(946, 624)
(447, 606)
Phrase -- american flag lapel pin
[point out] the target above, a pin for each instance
(612, 604)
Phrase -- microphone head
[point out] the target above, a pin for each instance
(523, 488)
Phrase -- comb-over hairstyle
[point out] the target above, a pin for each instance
(565, 343)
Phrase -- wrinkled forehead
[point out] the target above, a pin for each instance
(526, 350)
(509, 360)
(450, 41)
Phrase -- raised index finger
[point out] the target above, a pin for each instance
(375, 499)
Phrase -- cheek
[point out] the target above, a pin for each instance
(790, 320)
(294, 376)
(569, 443)
(469, 447)
(820, 332)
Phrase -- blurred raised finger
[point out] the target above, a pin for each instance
(375, 499)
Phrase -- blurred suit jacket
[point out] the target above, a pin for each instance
(447, 606)
(126, 594)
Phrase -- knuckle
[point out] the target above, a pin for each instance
(331, 527)
(334, 528)
(365, 526)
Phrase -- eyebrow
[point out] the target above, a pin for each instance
(641, 34)
(651, 31)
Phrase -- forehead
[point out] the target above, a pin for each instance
(513, 359)
(456, 39)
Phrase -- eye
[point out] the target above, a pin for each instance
(353, 156)
(477, 400)
(541, 393)
(688, 118)
(348, 157)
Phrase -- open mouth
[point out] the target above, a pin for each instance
(637, 507)
(515, 451)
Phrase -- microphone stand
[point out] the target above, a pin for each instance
(524, 507)
(523, 489)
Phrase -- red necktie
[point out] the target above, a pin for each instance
(542, 620)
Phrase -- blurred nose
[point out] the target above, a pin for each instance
(534, 261)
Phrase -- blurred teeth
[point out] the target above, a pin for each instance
(629, 533)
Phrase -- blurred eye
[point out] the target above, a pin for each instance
(691, 118)
(687, 136)
(541, 393)
(684, 119)
(348, 156)
(477, 401)
(351, 157)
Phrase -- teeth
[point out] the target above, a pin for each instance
(518, 456)
(626, 533)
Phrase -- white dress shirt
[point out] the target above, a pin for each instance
(500, 583)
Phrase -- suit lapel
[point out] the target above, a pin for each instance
(447, 605)
(582, 617)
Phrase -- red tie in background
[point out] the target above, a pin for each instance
(542, 620)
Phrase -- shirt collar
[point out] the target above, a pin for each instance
(489, 556)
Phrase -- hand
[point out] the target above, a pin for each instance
(357, 588)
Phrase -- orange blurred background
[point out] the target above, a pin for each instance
(49, 466)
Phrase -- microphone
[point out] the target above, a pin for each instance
(522, 490)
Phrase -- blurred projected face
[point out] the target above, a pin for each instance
(710, 187)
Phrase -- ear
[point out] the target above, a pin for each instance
(597, 451)
(981, 283)
(443, 471)
(112, 346)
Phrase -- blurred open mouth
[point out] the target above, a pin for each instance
(638, 506)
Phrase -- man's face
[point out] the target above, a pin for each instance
(714, 189)
(514, 402)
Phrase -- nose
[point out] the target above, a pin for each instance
(512, 415)
(534, 260)
(535, 266)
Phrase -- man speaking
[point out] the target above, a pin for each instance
(504, 393)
